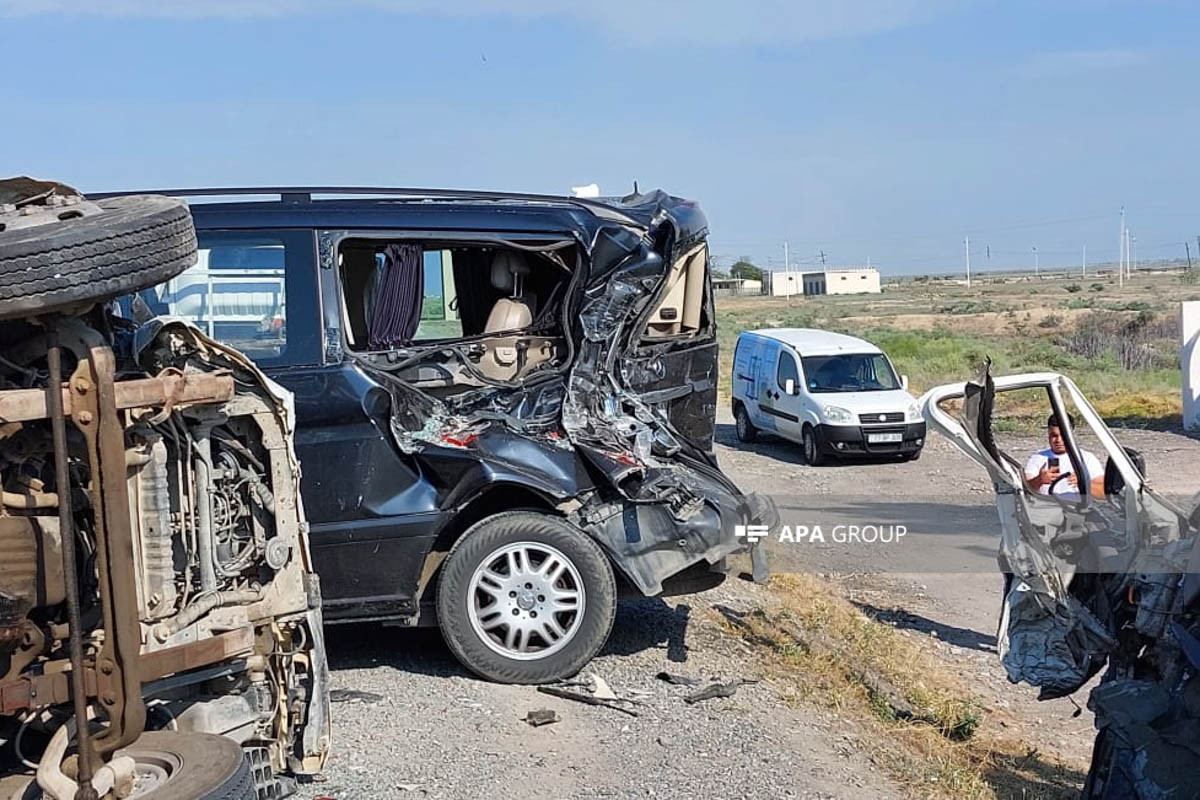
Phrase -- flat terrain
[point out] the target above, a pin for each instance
(1119, 343)
(410, 723)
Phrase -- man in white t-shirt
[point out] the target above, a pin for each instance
(1051, 471)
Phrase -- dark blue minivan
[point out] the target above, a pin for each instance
(505, 403)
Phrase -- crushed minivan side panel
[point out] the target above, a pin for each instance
(661, 504)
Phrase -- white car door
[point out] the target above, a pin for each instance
(783, 395)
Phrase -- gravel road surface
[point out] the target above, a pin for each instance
(410, 723)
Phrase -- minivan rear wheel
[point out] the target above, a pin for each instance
(746, 432)
(525, 597)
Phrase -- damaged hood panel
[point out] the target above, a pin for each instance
(1095, 582)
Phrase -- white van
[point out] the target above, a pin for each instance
(835, 395)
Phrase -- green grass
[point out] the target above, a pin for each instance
(945, 354)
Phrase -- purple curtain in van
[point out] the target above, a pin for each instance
(397, 310)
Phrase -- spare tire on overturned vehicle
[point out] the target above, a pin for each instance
(60, 256)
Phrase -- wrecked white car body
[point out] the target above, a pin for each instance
(1093, 581)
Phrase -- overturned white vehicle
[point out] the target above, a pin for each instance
(1095, 578)
(160, 627)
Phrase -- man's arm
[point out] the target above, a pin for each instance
(1038, 472)
(1096, 470)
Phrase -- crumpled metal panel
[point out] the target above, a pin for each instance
(662, 505)
(1113, 581)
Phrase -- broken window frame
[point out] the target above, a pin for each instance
(1057, 388)
(394, 359)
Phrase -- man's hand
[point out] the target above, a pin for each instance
(1046, 476)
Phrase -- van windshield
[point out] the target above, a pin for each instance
(849, 372)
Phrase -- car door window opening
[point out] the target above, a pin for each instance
(444, 316)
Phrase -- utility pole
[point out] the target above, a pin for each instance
(1188, 248)
(967, 247)
(1085, 261)
(822, 259)
(1121, 252)
(1132, 254)
(1037, 270)
(787, 265)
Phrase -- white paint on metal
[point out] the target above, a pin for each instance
(1189, 361)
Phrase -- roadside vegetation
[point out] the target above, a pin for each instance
(1120, 345)
(913, 716)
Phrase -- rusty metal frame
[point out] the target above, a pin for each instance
(58, 425)
(21, 405)
(53, 688)
(118, 678)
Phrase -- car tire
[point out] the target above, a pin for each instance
(505, 571)
(189, 766)
(812, 451)
(913, 456)
(131, 243)
(746, 432)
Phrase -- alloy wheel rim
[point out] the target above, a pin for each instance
(526, 600)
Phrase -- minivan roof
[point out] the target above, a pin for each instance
(431, 209)
(814, 342)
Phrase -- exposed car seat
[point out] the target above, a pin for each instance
(515, 311)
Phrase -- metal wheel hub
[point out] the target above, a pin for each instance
(526, 600)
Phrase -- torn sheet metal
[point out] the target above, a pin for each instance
(636, 461)
(1110, 581)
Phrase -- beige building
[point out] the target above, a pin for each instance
(785, 283)
(851, 280)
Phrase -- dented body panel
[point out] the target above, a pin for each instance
(614, 431)
(1107, 582)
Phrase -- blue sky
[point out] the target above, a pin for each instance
(886, 129)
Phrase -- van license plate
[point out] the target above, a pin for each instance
(885, 438)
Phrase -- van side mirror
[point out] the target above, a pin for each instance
(904, 382)
(789, 386)
(1114, 482)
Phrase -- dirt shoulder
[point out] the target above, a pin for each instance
(409, 722)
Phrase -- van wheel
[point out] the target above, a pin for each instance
(525, 597)
(746, 432)
(812, 454)
(197, 766)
